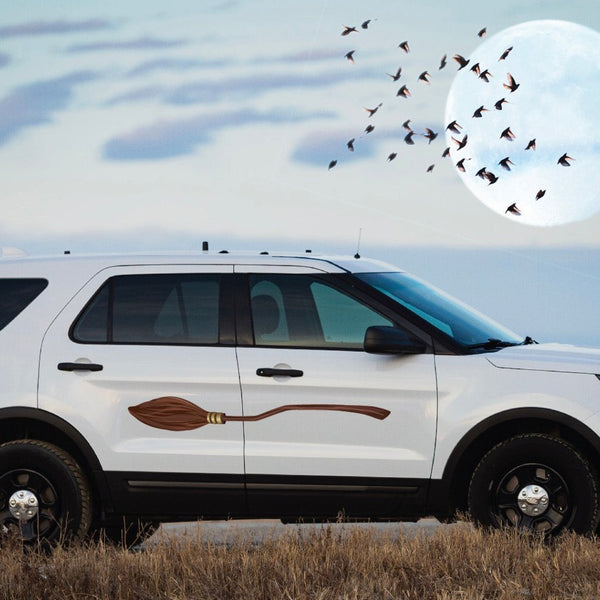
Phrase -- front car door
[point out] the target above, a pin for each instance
(162, 341)
(325, 421)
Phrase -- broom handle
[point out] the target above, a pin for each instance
(369, 411)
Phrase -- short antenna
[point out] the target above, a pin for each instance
(357, 255)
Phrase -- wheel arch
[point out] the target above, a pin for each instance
(33, 423)
(492, 430)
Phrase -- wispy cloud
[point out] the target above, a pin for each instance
(174, 64)
(207, 91)
(143, 43)
(140, 94)
(33, 28)
(36, 103)
(170, 138)
(304, 56)
(319, 147)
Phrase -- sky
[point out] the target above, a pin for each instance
(135, 125)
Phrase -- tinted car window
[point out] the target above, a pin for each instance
(304, 311)
(152, 309)
(16, 295)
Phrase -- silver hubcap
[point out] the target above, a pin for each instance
(23, 505)
(533, 500)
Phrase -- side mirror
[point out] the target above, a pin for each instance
(381, 339)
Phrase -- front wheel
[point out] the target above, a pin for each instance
(537, 483)
(44, 495)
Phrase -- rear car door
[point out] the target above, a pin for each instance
(132, 362)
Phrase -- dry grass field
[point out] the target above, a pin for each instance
(327, 564)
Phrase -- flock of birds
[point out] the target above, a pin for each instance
(461, 140)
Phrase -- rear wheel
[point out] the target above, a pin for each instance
(44, 494)
(535, 482)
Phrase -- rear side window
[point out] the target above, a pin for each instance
(152, 309)
(16, 295)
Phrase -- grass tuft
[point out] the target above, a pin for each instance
(333, 563)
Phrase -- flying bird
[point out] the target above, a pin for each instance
(442, 62)
(490, 177)
(530, 145)
(397, 75)
(372, 111)
(481, 173)
(564, 160)
(460, 143)
(430, 135)
(408, 138)
(498, 105)
(348, 30)
(540, 194)
(454, 127)
(350, 145)
(369, 128)
(507, 134)
(482, 32)
(350, 56)
(404, 46)
(513, 209)
(460, 165)
(505, 53)
(406, 125)
(476, 69)
(505, 163)
(403, 91)
(430, 168)
(485, 75)
(446, 152)
(331, 165)
(512, 85)
(365, 24)
(461, 60)
(392, 156)
(424, 76)
(478, 113)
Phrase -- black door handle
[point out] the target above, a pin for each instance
(75, 366)
(266, 372)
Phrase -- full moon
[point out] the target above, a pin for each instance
(532, 155)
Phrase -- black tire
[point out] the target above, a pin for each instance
(48, 490)
(537, 483)
(125, 532)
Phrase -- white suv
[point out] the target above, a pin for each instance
(172, 387)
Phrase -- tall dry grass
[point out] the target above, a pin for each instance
(331, 564)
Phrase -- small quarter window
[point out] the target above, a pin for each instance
(16, 295)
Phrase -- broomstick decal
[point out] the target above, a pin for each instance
(177, 414)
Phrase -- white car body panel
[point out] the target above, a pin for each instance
(96, 403)
(344, 444)
(471, 389)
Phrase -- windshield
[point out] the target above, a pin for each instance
(463, 324)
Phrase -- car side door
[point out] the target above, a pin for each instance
(335, 414)
(133, 362)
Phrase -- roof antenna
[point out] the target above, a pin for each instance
(204, 246)
(357, 255)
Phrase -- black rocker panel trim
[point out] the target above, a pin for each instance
(181, 496)
(290, 497)
(177, 496)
